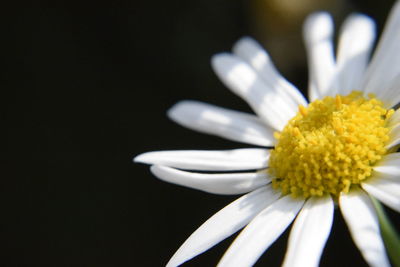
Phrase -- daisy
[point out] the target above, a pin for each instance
(339, 148)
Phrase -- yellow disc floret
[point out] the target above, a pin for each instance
(330, 145)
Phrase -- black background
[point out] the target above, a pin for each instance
(86, 88)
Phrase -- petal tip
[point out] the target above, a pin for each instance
(318, 26)
(141, 158)
(362, 23)
(221, 60)
(242, 43)
(174, 111)
(179, 112)
(175, 261)
(160, 172)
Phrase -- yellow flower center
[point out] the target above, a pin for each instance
(330, 145)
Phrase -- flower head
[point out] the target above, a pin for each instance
(330, 146)
(341, 147)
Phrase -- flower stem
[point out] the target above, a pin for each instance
(389, 234)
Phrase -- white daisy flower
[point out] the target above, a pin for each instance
(339, 148)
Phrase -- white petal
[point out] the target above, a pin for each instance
(355, 43)
(390, 95)
(211, 160)
(261, 232)
(252, 52)
(229, 124)
(385, 64)
(266, 101)
(360, 216)
(317, 31)
(225, 183)
(224, 223)
(394, 136)
(309, 233)
(390, 164)
(386, 188)
(395, 119)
